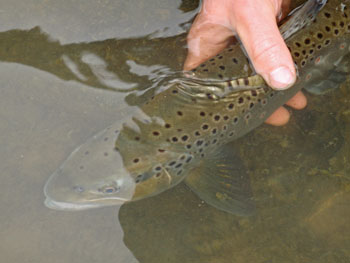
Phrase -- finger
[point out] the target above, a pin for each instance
(205, 40)
(259, 33)
(279, 117)
(298, 102)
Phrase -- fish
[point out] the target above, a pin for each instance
(182, 133)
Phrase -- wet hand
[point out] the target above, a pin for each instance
(255, 23)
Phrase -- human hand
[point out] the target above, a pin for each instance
(255, 23)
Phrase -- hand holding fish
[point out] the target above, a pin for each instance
(255, 23)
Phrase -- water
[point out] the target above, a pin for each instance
(300, 172)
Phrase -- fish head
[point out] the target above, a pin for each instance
(100, 173)
(92, 176)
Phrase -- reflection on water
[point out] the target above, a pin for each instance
(300, 173)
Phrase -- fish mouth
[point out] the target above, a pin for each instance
(75, 206)
(56, 205)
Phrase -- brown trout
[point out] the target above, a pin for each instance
(181, 133)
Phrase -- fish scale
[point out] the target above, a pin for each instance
(181, 133)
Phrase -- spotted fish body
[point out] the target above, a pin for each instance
(181, 133)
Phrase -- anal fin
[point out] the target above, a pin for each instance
(221, 181)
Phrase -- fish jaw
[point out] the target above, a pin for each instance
(62, 194)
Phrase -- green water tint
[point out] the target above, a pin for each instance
(181, 133)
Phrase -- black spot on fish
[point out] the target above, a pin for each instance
(296, 54)
(327, 42)
(307, 41)
(179, 113)
(222, 67)
(217, 117)
(214, 141)
(136, 160)
(182, 157)
(174, 91)
(161, 150)
(172, 163)
(178, 165)
(212, 59)
(226, 117)
(158, 168)
(235, 120)
(327, 15)
(251, 105)
(179, 130)
(197, 133)
(202, 113)
(220, 57)
(137, 138)
(230, 106)
(230, 49)
(155, 133)
(179, 172)
(167, 125)
(158, 175)
(189, 159)
(220, 76)
(225, 127)
(184, 138)
(188, 146)
(231, 134)
(205, 70)
(336, 32)
(297, 44)
(202, 155)
(199, 142)
(246, 81)
(205, 126)
(311, 51)
(319, 35)
(203, 65)
(341, 24)
(174, 139)
(240, 100)
(253, 93)
(235, 60)
(327, 28)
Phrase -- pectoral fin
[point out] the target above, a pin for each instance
(221, 181)
(333, 81)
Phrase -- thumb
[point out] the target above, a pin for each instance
(258, 31)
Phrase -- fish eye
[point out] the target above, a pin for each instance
(109, 189)
(78, 188)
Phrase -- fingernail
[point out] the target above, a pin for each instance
(281, 78)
